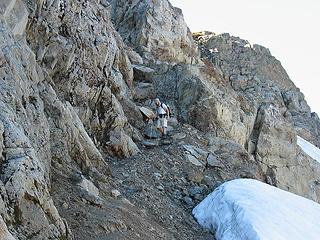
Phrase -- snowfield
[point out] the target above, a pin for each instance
(246, 209)
(309, 149)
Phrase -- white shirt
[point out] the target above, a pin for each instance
(162, 109)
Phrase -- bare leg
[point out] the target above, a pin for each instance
(160, 129)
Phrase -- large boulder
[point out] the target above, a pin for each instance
(274, 145)
(155, 29)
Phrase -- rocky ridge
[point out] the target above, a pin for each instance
(74, 161)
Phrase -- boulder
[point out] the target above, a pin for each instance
(142, 73)
(281, 160)
(144, 91)
(151, 131)
(121, 144)
(147, 112)
(89, 187)
(156, 30)
(213, 161)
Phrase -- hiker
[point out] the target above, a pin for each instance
(162, 115)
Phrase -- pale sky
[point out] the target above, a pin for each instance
(289, 28)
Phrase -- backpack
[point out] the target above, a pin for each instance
(169, 110)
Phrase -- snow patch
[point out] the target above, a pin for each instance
(246, 209)
(309, 149)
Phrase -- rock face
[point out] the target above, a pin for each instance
(255, 74)
(26, 203)
(154, 29)
(76, 79)
(86, 60)
(57, 106)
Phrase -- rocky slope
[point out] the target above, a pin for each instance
(73, 75)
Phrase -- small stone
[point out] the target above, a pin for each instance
(65, 205)
(115, 193)
(187, 200)
(166, 142)
(126, 201)
(179, 136)
(159, 187)
(195, 190)
(213, 161)
(157, 175)
(126, 175)
(88, 186)
(208, 181)
(149, 143)
(198, 197)
(193, 160)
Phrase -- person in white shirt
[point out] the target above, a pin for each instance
(162, 116)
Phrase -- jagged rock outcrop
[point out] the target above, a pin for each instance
(154, 29)
(257, 75)
(273, 144)
(85, 58)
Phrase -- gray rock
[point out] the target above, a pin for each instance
(166, 141)
(195, 190)
(188, 201)
(4, 233)
(160, 187)
(198, 197)
(134, 57)
(89, 187)
(195, 151)
(151, 131)
(166, 39)
(213, 161)
(150, 143)
(115, 193)
(144, 91)
(179, 136)
(142, 73)
(91, 199)
(255, 74)
(208, 181)
(193, 160)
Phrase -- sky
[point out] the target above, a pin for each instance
(289, 28)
